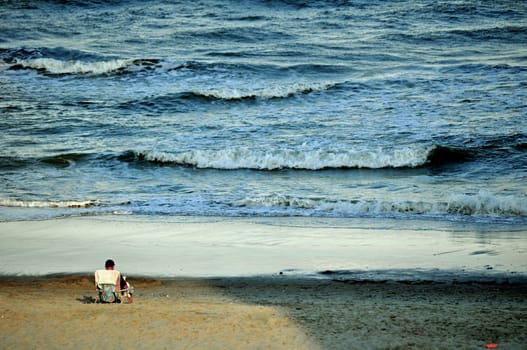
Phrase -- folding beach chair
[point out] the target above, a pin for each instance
(106, 282)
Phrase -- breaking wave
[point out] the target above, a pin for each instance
(48, 204)
(299, 158)
(271, 92)
(479, 206)
(51, 66)
(243, 158)
(230, 159)
(62, 61)
(70, 204)
(482, 204)
(227, 94)
(67, 62)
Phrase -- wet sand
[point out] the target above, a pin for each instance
(217, 247)
(52, 312)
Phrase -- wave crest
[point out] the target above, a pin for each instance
(65, 204)
(315, 159)
(482, 204)
(13, 203)
(65, 61)
(53, 66)
(270, 92)
(243, 158)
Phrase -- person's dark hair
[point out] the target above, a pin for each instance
(109, 263)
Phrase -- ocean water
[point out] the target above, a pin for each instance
(331, 109)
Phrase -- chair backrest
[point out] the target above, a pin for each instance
(107, 277)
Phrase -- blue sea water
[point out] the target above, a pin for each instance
(347, 109)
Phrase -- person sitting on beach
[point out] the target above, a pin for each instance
(109, 282)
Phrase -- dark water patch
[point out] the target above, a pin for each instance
(450, 8)
(20, 5)
(286, 4)
(38, 4)
(441, 155)
(87, 104)
(12, 163)
(59, 53)
(504, 141)
(11, 109)
(313, 69)
(131, 156)
(504, 148)
(241, 35)
(11, 55)
(488, 149)
(148, 63)
(512, 33)
(466, 11)
(239, 54)
(317, 4)
(471, 68)
(64, 160)
(249, 18)
(60, 161)
(158, 104)
(484, 252)
(457, 37)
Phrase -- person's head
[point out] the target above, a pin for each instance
(109, 264)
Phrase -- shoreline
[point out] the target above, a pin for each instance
(254, 313)
(238, 247)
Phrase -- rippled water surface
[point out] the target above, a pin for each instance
(405, 109)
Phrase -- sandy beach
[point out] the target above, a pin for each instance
(203, 283)
(55, 312)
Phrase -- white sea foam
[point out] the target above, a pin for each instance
(53, 66)
(485, 203)
(277, 200)
(47, 204)
(481, 205)
(243, 158)
(265, 92)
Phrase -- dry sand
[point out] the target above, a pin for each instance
(261, 313)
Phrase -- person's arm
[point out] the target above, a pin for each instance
(118, 282)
